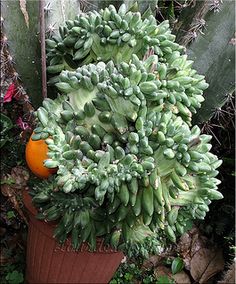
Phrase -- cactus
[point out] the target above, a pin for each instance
(142, 6)
(56, 12)
(129, 165)
(24, 49)
(135, 5)
(18, 22)
(210, 43)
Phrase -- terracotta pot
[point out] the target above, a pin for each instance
(48, 262)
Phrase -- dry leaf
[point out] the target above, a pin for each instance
(24, 11)
(2, 231)
(4, 259)
(181, 278)
(229, 275)
(14, 241)
(198, 242)
(7, 191)
(233, 40)
(189, 244)
(206, 263)
(20, 176)
(162, 271)
(152, 261)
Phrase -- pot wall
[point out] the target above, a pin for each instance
(47, 262)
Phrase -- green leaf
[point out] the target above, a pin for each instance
(189, 225)
(8, 181)
(6, 123)
(164, 280)
(177, 265)
(128, 276)
(11, 214)
(15, 277)
(113, 281)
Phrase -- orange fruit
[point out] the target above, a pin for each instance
(36, 154)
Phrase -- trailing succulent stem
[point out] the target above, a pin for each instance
(129, 163)
(107, 35)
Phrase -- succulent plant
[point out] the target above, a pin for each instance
(186, 94)
(107, 35)
(129, 165)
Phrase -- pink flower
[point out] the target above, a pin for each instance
(23, 125)
(11, 91)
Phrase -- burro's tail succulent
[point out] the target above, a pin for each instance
(111, 35)
(108, 35)
(129, 165)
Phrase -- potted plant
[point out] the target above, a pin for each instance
(128, 163)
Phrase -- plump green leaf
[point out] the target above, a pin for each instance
(177, 265)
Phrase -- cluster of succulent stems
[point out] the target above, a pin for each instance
(130, 164)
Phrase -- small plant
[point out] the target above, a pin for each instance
(133, 273)
(14, 277)
(130, 272)
(5, 125)
(129, 164)
(11, 214)
(12, 272)
(164, 280)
